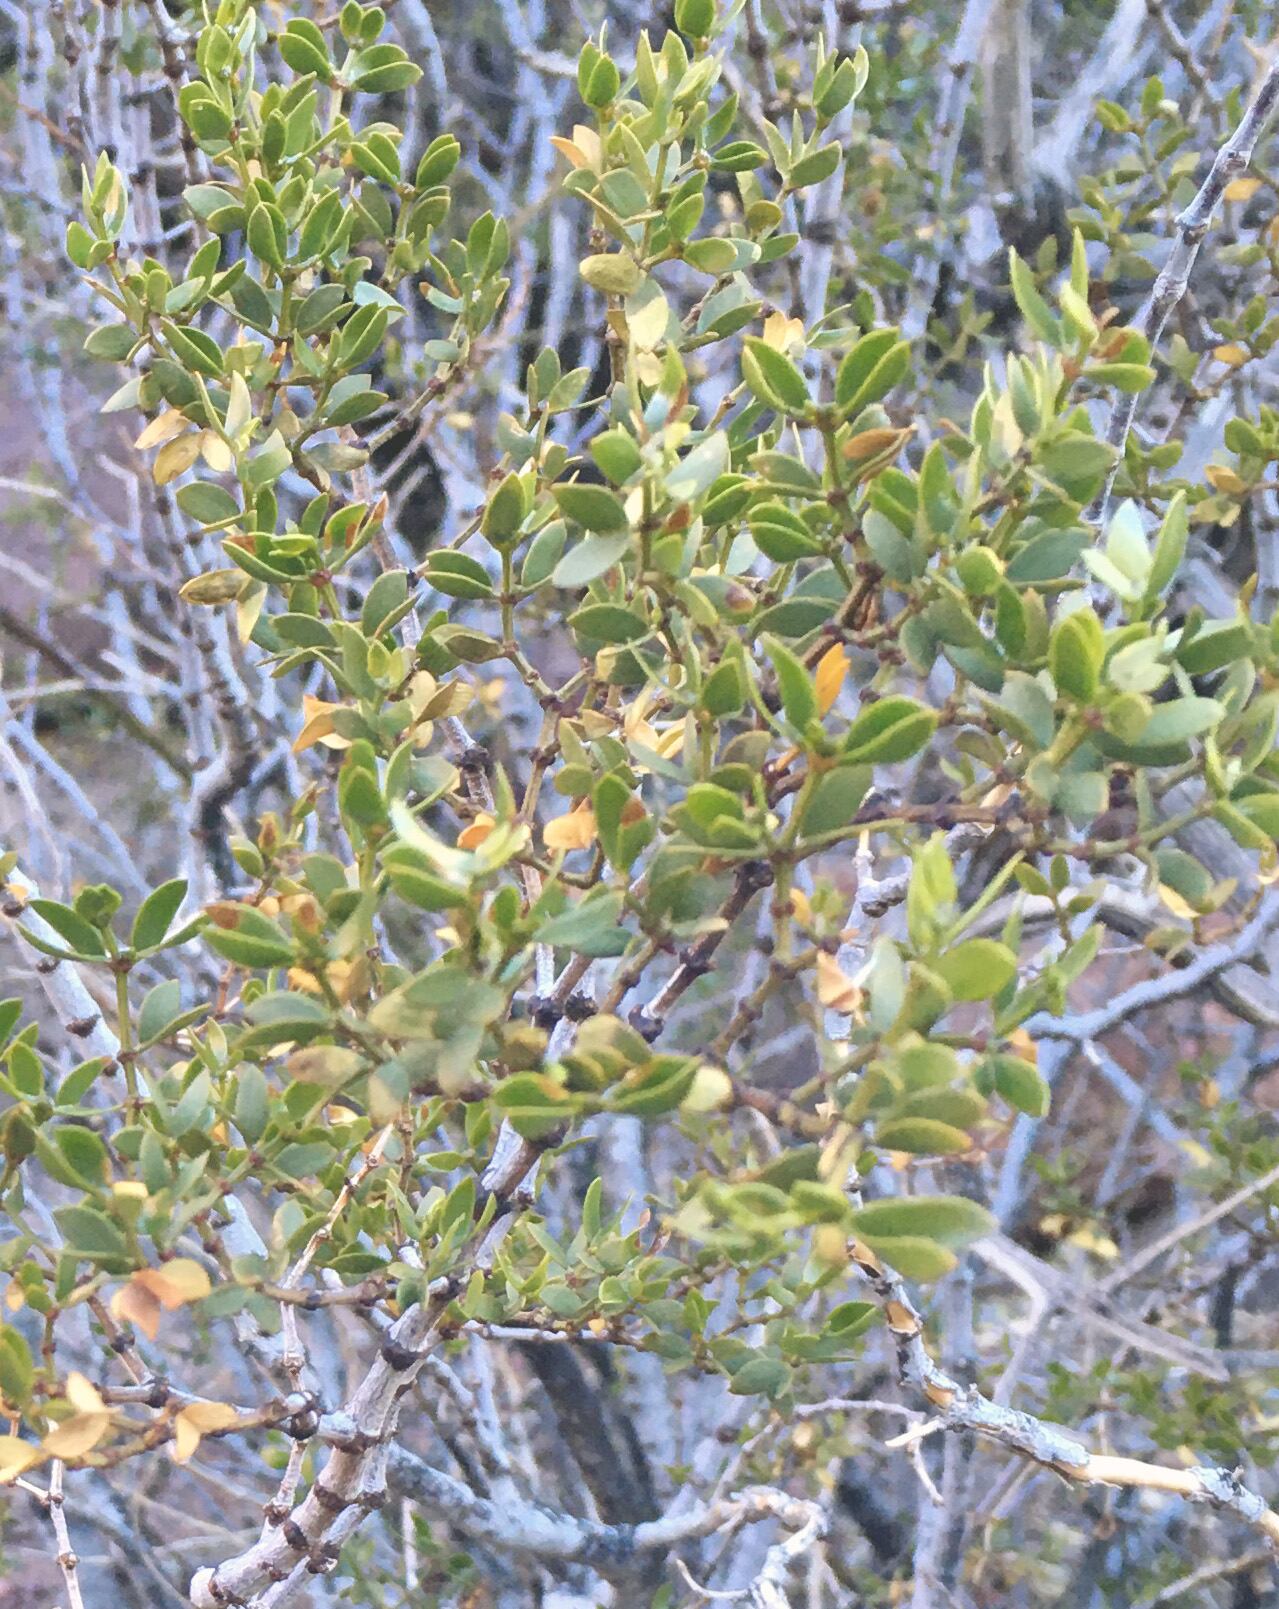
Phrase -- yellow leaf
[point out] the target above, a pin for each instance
(248, 606)
(239, 407)
(710, 1090)
(1094, 1241)
(1230, 353)
(197, 1420)
(648, 323)
(835, 990)
(1225, 480)
(576, 830)
(1021, 1044)
(784, 334)
(164, 427)
(474, 834)
(1176, 904)
(76, 1436)
(16, 1456)
(800, 906)
(174, 458)
(1241, 189)
(175, 1283)
(136, 1305)
(568, 149)
(649, 368)
(317, 725)
(588, 143)
(670, 741)
(828, 678)
(83, 1395)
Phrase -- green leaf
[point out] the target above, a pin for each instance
(91, 1234)
(156, 913)
(799, 696)
(590, 927)
(977, 969)
(207, 503)
(590, 559)
(159, 1008)
(1170, 546)
(609, 622)
(1075, 653)
(773, 377)
(594, 508)
(80, 936)
(303, 49)
(1033, 308)
(615, 273)
(616, 453)
(815, 167)
(952, 1220)
(927, 1136)
(781, 535)
(250, 1110)
(1180, 719)
(874, 365)
(458, 575)
(1020, 1084)
(760, 1377)
(835, 800)
(243, 934)
(915, 1257)
(892, 729)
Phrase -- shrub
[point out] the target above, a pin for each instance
(748, 689)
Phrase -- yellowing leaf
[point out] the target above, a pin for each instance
(175, 457)
(213, 588)
(475, 832)
(197, 1420)
(835, 989)
(1230, 353)
(576, 830)
(1241, 189)
(647, 321)
(164, 427)
(16, 1456)
(800, 905)
(217, 455)
(239, 407)
(828, 678)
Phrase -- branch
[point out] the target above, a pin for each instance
(963, 1408)
(75, 1007)
(353, 1480)
(1192, 225)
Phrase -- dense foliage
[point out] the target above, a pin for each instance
(675, 884)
